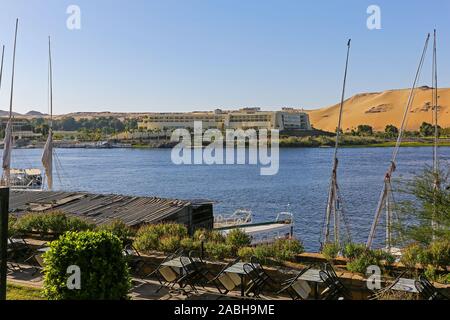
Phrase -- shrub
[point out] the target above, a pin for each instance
(439, 253)
(412, 255)
(120, 229)
(146, 240)
(218, 250)
(238, 239)
(169, 244)
(330, 251)
(353, 250)
(360, 263)
(245, 253)
(264, 253)
(209, 236)
(287, 249)
(189, 244)
(98, 254)
(148, 237)
(12, 226)
(51, 222)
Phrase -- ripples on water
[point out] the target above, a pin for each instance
(299, 187)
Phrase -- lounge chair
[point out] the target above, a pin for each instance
(334, 290)
(257, 282)
(263, 273)
(296, 288)
(135, 261)
(165, 275)
(427, 290)
(224, 281)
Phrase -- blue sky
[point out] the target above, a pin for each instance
(146, 55)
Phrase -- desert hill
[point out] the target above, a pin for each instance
(383, 108)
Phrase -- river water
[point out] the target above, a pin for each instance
(299, 187)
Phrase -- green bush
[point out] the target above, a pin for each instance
(330, 251)
(209, 236)
(439, 253)
(189, 244)
(55, 222)
(103, 267)
(412, 255)
(12, 226)
(353, 250)
(237, 238)
(245, 253)
(217, 250)
(287, 249)
(264, 253)
(149, 237)
(120, 229)
(360, 263)
(169, 244)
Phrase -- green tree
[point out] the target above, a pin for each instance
(425, 203)
(364, 130)
(427, 130)
(391, 130)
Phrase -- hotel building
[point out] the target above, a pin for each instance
(246, 118)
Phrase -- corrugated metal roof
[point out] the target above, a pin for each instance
(99, 208)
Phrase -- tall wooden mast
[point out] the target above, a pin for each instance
(334, 211)
(385, 203)
(436, 130)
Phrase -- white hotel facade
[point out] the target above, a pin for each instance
(246, 118)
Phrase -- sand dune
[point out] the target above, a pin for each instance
(383, 108)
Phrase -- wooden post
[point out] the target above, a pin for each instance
(4, 211)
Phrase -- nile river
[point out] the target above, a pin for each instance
(299, 187)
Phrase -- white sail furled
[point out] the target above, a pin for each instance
(47, 160)
(7, 148)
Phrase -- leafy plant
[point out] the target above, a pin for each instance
(237, 238)
(287, 249)
(330, 250)
(353, 250)
(169, 244)
(55, 222)
(209, 236)
(104, 273)
(217, 250)
(189, 244)
(245, 253)
(425, 204)
(149, 237)
(120, 229)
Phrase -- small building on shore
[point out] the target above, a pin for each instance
(103, 208)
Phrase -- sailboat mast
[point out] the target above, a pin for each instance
(47, 155)
(50, 81)
(1, 66)
(13, 71)
(436, 132)
(383, 202)
(435, 105)
(332, 203)
(8, 142)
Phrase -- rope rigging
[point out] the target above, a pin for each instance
(334, 214)
(384, 202)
